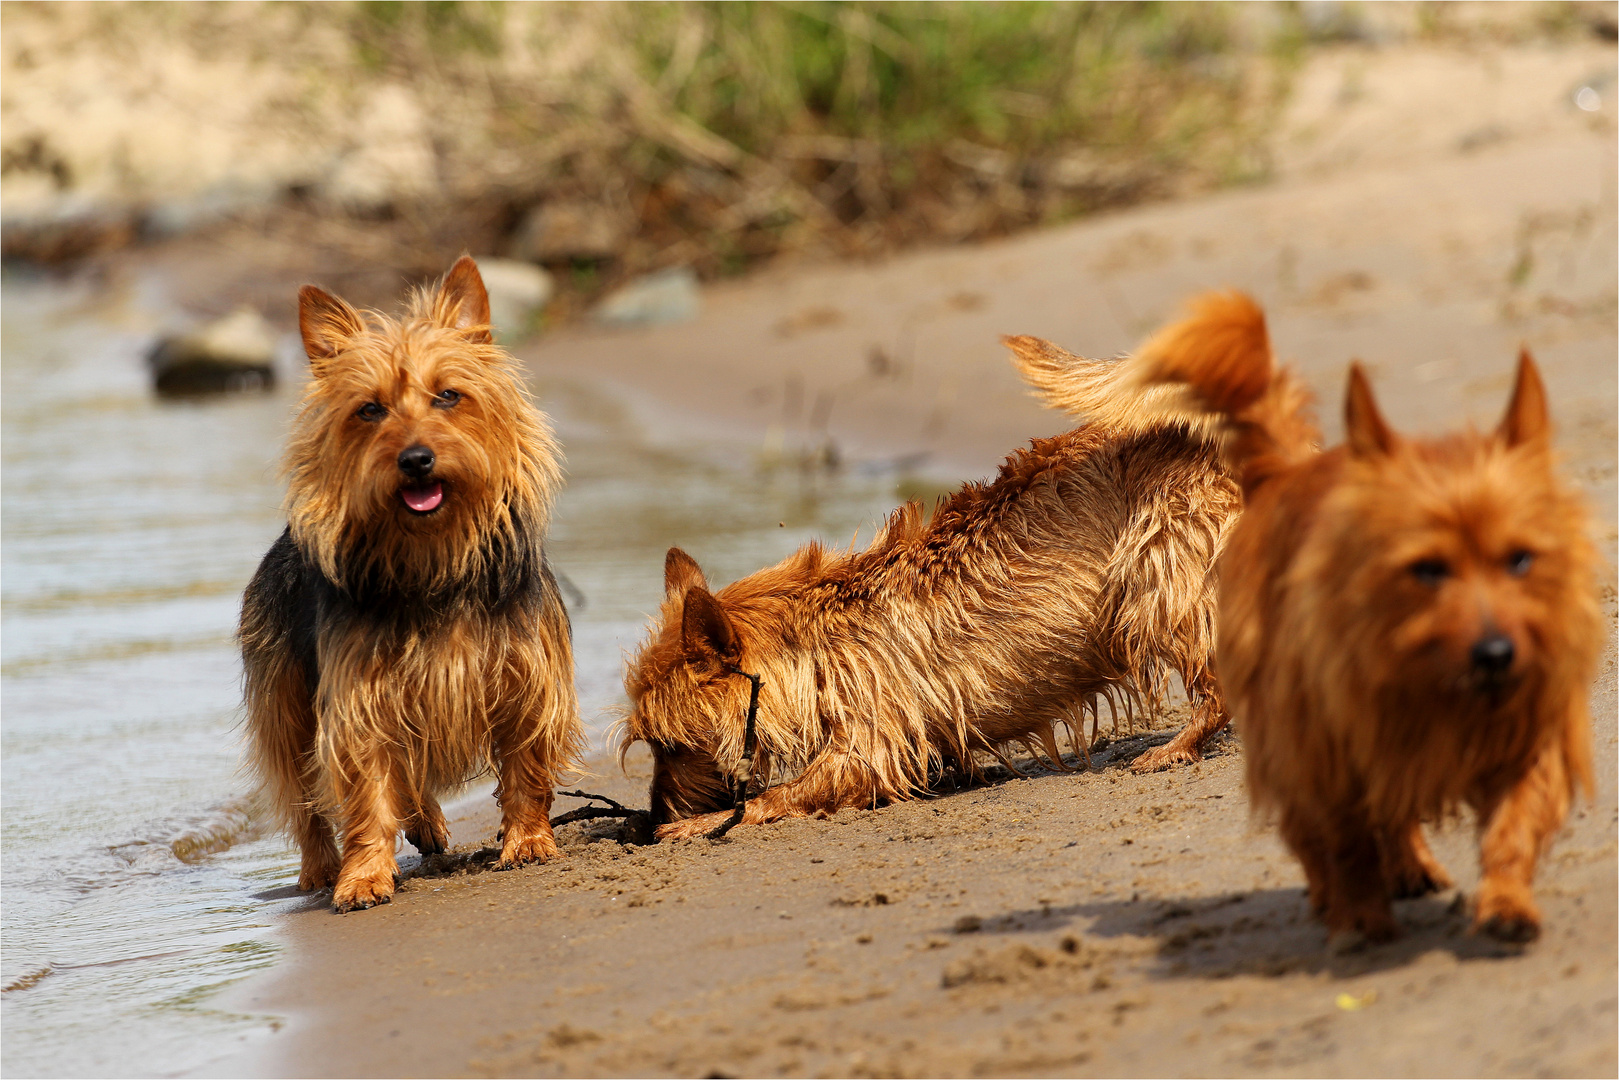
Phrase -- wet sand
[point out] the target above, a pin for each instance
(1093, 923)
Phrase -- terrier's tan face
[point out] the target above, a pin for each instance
(682, 690)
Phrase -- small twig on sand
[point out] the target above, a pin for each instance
(613, 809)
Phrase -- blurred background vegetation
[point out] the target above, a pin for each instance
(606, 140)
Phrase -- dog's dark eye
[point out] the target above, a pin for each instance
(371, 411)
(1519, 562)
(1430, 571)
(446, 399)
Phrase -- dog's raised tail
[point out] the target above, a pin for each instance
(1107, 392)
(1211, 365)
(1212, 372)
(1220, 351)
(1219, 358)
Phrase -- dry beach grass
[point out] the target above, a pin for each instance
(606, 140)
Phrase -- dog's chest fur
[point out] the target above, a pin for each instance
(433, 675)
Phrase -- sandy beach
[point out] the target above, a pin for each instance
(1085, 923)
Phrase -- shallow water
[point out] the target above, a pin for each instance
(136, 882)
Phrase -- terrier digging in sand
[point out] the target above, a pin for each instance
(1082, 572)
(405, 633)
(1406, 625)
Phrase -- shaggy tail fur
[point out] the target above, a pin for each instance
(1212, 371)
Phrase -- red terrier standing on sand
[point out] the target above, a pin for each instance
(1405, 625)
(405, 632)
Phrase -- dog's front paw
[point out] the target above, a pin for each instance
(521, 845)
(1506, 913)
(693, 827)
(1164, 757)
(358, 892)
(1515, 929)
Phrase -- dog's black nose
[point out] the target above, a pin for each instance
(1492, 654)
(416, 461)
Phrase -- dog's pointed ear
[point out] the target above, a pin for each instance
(1526, 419)
(680, 573)
(463, 302)
(327, 324)
(705, 630)
(1367, 432)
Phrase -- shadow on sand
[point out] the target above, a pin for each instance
(1266, 932)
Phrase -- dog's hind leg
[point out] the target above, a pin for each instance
(317, 843)
(1517, 826)
(1208, 720)
(426, 828)
(281, 732)
(1409, 868)
(1164, 598)
(1306, 844)
(310, 829)
(280, 710)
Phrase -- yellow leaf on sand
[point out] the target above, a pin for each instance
(1351, 1003)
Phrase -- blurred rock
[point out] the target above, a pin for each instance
(669, 296)
(518, 292)
(235, 353)
(174, 217)
(562, 229)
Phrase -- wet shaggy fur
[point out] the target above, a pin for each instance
(1081, 573)
(405, 633)
(1406, 626)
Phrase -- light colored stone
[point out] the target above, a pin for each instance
(518, 292)
(669, 296)
(242, 337)
(570, 230)
(236, 352)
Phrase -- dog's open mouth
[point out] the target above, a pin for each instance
(423, 499)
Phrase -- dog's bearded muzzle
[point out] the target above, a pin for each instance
(1493, 665)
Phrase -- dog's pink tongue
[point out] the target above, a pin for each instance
(423, 499)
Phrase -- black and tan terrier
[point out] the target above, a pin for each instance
(405, 634)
